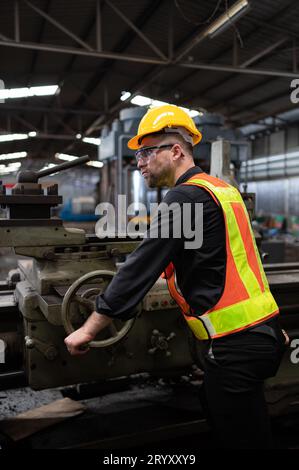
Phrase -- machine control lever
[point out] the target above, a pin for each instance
(29, 176)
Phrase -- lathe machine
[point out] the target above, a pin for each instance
(60, 272)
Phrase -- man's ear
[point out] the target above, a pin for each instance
(177, 152)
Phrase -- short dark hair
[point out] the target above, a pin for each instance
(186, 145)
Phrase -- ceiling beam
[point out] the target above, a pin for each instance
(58, 25)
(239, 93)
(254, 58)
(264, 52)
(82, 52)
(270, 23)
(136, 88)
(39, 39)
(136, 30)
(156, 71)
(123, 43)
(232, 69)
(17, 20)
(258, 103)
(150, 60)
(273, 27)
(262, 115)
(63, 76)
(99, 29)
(219, 106)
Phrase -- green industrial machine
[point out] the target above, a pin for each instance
(53, 291)
(61, 271)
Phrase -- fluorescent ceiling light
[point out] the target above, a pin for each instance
(125, 95)
(11, 156)
(11, 168)
(8, 93)
(140, 100)
(14, 165)
(43, 90)
(96, 164)
(48, 165)
(193, 113)
(92, 140)
(69, 158)
(158, 103)
(10, 137)
(227, 18)
(11, 165)
(65, 156)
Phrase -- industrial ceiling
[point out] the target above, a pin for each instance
(95, 49)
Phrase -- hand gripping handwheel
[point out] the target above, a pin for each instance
(85, 300)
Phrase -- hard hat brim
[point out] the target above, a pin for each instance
(133, 143)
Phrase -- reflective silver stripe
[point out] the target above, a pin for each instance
(208, 325)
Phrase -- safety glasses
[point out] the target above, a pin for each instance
(146, 152)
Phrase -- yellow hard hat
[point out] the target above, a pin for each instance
(165, 117)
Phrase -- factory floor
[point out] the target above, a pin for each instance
(143, 417)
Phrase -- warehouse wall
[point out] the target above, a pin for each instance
(273, 172)
(273, 156)
(277, 197)
(276, 143)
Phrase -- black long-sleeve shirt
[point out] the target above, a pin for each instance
(200, 272)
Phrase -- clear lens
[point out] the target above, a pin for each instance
(147, 152)
(144, 153)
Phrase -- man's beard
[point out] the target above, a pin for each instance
(153, 182)
(158, 181)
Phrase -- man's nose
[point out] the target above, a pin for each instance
(140, 164)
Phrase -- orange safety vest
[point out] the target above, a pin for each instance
(246, 299)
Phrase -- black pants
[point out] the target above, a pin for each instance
(235, 369)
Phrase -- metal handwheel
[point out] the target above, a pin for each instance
(86, 304)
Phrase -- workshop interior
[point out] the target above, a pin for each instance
(76, 79)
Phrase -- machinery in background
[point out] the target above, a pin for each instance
(79, 209)
(120, 175)
(213, 129)
(34, 320)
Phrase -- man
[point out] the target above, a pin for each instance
(225, 298)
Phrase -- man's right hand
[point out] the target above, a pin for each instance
(77, 342)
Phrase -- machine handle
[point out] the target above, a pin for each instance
(63, 166)
(29, 176)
